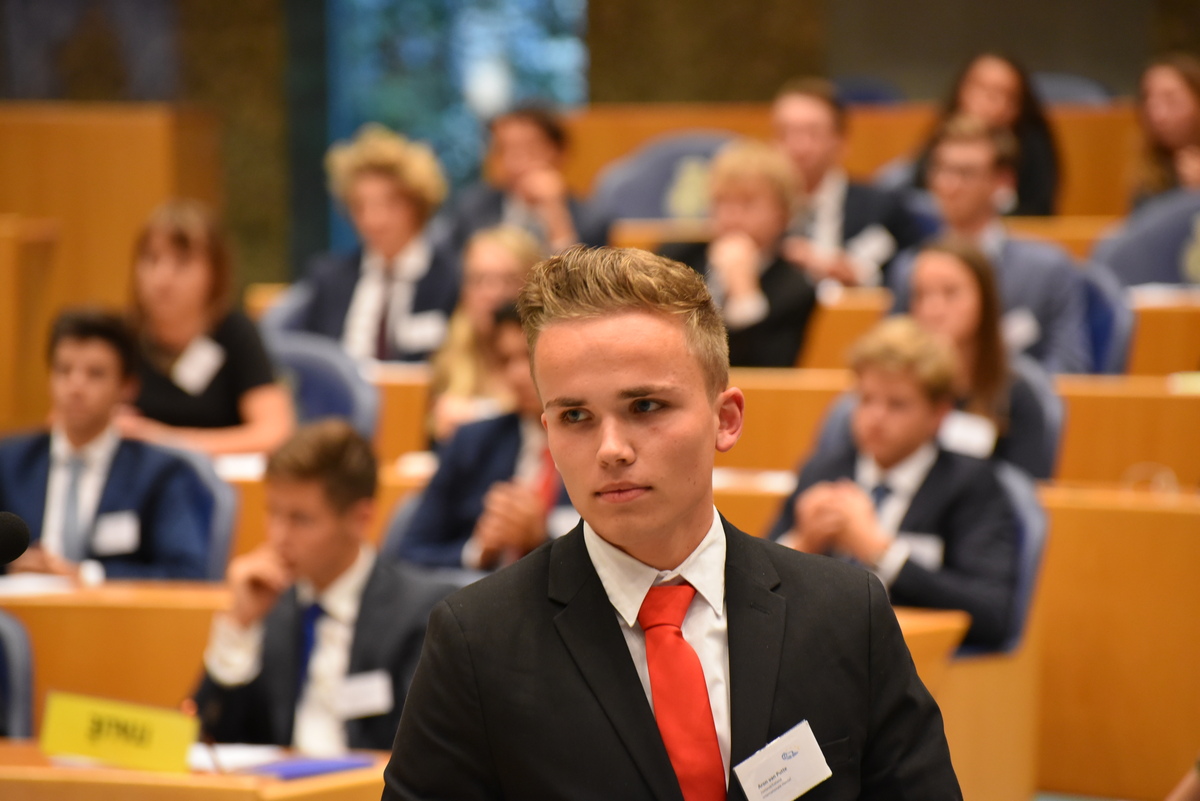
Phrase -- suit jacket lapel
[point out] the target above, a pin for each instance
(756, 626)
(928, 497)
(37, 469)
(588, 626)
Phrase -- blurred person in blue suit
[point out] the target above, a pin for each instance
(99, 505)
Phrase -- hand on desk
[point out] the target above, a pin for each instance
(839, 515)
(819, 264)
(513, 520)
(257, 579)
(38, 560)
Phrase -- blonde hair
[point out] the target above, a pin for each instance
(899, 345)
(580, 283)
(749, 159)
(460, 367)
(375, 149)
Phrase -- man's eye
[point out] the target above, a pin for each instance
(643, 405)
(574, 416)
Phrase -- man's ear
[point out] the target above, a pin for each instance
(731, 412)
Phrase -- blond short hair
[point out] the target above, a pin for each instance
(332, 452)
(749, 159)
(375, 149)
(581, 283)
(899, 345)
(519, 243)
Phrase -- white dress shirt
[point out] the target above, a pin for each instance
(903, 479)
(705, 626)
(825, 212)
(234, 656)
(97, 457)
(409, 332)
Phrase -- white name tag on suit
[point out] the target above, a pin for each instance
(196, 367)
(1020, 329)
(364, 695)
(786, 768)
(968, 434)
(116, 534)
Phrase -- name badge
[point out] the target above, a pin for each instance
(364, 695)
(196, 367)
(786, 768)
(421, 331)
(116, 533)
(1020, 329)
(926, 550)
(968, 434)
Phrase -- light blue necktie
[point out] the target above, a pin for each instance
(74, 534)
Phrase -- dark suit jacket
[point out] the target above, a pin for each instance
(482, 206)
(334, 276)
(479, 455)
(171, 503)
(1042, 278)
(963, 503)
(775, 341)
(866, 205)
(526, 689)
(387, 635)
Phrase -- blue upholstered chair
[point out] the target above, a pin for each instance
(325, 381)
(16, 679)
(1054, 88)
(1152, 246)
(220, 509)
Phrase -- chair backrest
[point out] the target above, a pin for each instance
(1152, 245)
(220, 508)
(286, 312)
(1054, 88)
(867, 90)
(639, 185)
(1110, 319)
(1031, 545)
(398, 525)
(836, 436)
(325, 381)
(16, 679)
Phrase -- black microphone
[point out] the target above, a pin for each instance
(14, 537)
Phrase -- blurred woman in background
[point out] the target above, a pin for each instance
(206, 380)
(1169, 111)
(998, 91)
(468, 383)
(954, 296)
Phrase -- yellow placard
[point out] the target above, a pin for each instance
(118, 734)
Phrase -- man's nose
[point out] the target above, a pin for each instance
(615, 447)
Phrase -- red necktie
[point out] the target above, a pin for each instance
(681, 705)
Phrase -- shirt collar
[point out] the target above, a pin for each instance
(98, 452)
(831, 191)
(341, 599)
(626, 580)
(410, 264)
(905, 478)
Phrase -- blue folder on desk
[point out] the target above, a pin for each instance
(303, 767)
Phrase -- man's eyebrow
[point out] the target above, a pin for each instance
(565, 403)
(644, 391)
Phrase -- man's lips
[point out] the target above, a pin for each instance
(621, 493)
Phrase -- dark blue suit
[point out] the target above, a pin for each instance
(963, 503)
(479, 455)
(1037, 276)
(171, 503)
(482, 206)
(334, 276)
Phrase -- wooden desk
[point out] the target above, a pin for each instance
(838, 323)
(1120, 704)
(1119, 428)
(1166, 333)
(29, 267)
(403, 409)
(129, 641)
(932, 636)
(27, 775)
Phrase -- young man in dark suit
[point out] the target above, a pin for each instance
(496, 494)
(936, 527)
(321, 642)
(842, 229)
(99, 505)
(391, 298)
(971, 172)
(655, 648)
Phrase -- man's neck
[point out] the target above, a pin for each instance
(80, 437)
(668, 550)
